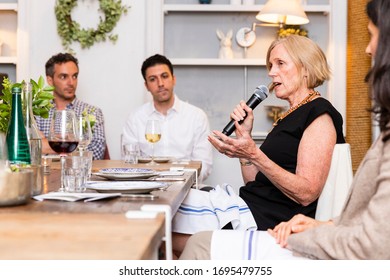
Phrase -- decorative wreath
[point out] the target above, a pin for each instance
(70, 30)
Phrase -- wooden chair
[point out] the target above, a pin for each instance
(106, 153)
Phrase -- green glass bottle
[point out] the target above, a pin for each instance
(17, 141)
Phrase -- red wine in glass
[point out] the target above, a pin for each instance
(63, 147)
(63, 137)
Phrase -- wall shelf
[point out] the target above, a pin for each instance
(234, 8)
(8, 60)
(11, 37)
(8, 7)
(218, 62)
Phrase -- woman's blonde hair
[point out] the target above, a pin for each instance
(306, 54)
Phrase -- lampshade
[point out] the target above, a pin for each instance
(288, 12)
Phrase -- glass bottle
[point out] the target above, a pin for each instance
(17, 141)
(34, 139)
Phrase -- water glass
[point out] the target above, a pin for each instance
(3, 152)
(131, 153)
(88, 155)
(46, 162)
(75, 173)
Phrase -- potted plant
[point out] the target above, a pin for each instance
(41, 100)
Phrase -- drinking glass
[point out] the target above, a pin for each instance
(153, 135)
(84, 132)
(63, 136)
(3, 151)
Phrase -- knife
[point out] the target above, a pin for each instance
(142, 196)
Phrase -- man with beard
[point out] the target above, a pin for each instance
(62, 73)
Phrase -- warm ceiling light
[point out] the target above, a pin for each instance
(283, 12)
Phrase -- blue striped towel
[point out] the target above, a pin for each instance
(247, 245)
(212, 210)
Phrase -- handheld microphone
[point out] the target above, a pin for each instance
(260, 93)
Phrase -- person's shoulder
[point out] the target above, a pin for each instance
(322, 101)
(140, 112)
(323, 104)
(85, 105)
(191, 107)
(146, 107)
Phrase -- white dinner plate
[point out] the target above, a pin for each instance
(114, 176)
(127, 171)
(125, 187)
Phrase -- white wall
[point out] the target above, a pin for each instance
(110, 76)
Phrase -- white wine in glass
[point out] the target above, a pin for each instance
(84, 132)
(153, 134)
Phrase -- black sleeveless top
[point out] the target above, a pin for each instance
(267, 203)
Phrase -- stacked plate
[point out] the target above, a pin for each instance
(126, 173)
(126, 187)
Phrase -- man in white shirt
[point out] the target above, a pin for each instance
(184, 127)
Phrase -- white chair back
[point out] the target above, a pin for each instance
(336, 189)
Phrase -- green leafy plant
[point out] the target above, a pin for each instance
(70, 31)
(91, 117)
(41, 100)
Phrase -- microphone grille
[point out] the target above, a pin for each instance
(262, 92)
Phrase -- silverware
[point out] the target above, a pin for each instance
(140, 196)
(167, 179)
(160, 179)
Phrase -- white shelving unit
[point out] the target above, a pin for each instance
(8, 57)
(158, 29)
(14, 16)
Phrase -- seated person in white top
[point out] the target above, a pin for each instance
(184, 127)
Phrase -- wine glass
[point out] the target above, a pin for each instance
(63, 136)
(3, 152)
(84, 132)
(153, 135)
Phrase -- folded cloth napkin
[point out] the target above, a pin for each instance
(247, 245)
(212, 210)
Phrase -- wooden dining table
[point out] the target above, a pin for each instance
(52, 229)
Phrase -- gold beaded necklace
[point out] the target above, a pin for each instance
(308, 98)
